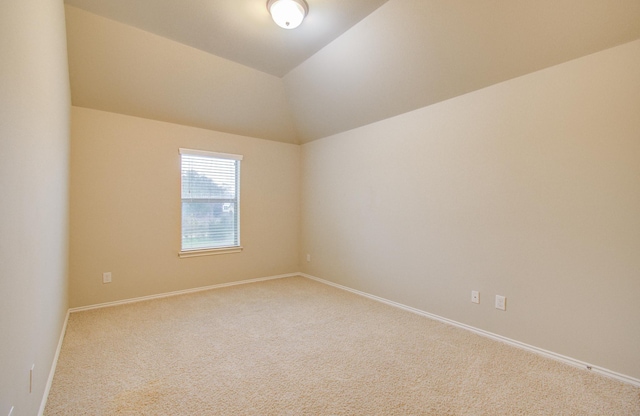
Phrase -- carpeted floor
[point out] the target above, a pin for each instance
(297, 347)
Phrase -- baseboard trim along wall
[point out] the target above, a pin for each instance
(179, 292)
(558, 357)
(54, 364)
(45, 396)
(549, 354)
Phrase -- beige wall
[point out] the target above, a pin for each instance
(125, 208)
(34, 140)
(528, 189)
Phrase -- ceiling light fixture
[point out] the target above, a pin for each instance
(288, 14)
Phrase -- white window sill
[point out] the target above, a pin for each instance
(209, 252)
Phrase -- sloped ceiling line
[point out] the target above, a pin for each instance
(375, 60)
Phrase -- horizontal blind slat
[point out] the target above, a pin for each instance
(210, 217)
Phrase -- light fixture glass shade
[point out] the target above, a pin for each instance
(287, 14)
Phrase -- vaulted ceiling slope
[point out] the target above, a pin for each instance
(405, 55)
(412, 53)
(121, 69)
(239, 30)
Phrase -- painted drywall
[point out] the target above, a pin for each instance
(118, 68)
(34, 148)
(409, 54)
(125, 208)
(528, 189)
(239, 30)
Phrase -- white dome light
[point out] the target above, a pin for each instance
(288, 14)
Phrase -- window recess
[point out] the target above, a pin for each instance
(210, 202)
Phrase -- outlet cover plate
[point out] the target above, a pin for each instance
(475, 296)
(501, 303)
(33, 366)
(106, 277)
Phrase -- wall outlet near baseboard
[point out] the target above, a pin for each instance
(31, 378)
(106, 277)
(501, 303)
(475, 296)
(308, 257)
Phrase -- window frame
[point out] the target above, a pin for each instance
(208, 251)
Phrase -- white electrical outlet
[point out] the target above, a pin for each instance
(501, 303)
(106, 277)
(31, 378)
(308, 257)
(475, 296)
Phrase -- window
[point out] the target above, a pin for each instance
(210, 202)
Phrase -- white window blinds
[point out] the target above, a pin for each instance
(210, 200)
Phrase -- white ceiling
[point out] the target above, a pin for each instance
(238, 30)
(224, 65)
(409, 54)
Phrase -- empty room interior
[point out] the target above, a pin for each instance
(411, 207)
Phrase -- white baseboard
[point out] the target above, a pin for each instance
(558, 357)
(554, 356)
(47, 388)
(45, 396)
(178, 292)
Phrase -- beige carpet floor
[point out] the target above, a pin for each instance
(297, 347)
